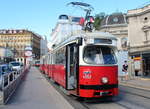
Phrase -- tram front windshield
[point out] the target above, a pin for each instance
(99, 55)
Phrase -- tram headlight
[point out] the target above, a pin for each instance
(104, 80)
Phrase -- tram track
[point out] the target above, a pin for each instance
(123, 105)
(139, 92)
(132, 97)
(102, 105)
(136, 94)
(130, 104)
(86, 106)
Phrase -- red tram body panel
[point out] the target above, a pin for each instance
(90, 83)
(59, 74)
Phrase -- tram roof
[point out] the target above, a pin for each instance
(103, 35)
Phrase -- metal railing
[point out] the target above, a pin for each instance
(9, 83)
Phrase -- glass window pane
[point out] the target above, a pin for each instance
(99, 55)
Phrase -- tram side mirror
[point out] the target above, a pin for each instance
(79, 41)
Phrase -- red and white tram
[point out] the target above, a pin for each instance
(85, 65)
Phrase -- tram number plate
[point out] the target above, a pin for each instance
(104, 93)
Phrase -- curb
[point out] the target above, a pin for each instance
(135, 86)
(145, 79)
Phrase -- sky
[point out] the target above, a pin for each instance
(40, 16)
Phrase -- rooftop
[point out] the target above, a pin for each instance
(114, 19)
(17, 31)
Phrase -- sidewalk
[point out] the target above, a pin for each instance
(36, 93)
(136, 82)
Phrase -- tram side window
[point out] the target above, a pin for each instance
(60, 56)
(54, 58)
(57, 58)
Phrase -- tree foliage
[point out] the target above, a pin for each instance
(98, 19)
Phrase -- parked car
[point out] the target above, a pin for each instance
(5, 68)
(15, 65)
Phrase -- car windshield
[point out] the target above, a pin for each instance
(99, 55)
(15, 64)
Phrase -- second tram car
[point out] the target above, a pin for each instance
(85, 65)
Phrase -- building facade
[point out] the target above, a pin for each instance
(116, 24)
(43, 46)
(17, 40)
(139, 38)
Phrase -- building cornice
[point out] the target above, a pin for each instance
(115, 25)
(18, 32)
(141, 48)
(138, 12)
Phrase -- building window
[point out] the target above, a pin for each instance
(124, 42)
(146, 35)
(145, 18)
(115, 19)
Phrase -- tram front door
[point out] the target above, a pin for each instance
(72, 66)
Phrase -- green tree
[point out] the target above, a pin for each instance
(98, 19)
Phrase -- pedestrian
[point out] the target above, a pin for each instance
(124, 70)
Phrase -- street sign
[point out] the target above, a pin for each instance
(28, 53)
(137, 58)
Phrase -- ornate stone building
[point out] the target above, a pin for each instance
(17, 40)
(116, 24)
(139, 38)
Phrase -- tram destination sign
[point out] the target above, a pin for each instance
(105, 41)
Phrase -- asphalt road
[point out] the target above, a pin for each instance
(128, 98)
